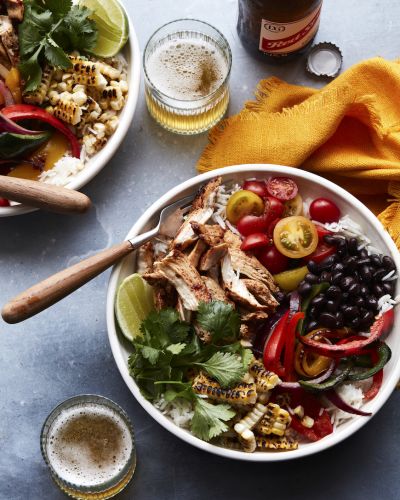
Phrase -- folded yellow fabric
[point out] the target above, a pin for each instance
(348, 132)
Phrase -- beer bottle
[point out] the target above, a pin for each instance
(278, 29)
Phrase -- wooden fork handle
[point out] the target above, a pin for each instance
(56, 287)
(45, 196)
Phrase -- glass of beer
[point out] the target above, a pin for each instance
(88, 443)
(187, 64)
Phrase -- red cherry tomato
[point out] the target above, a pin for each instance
(272, 259)
(255, 240)
(250, 224)
(322, 232)
(324, 210)
(321, 253)
(4, 202)
(271, 227)
(257, 187)
(282, 188)
(273, 209)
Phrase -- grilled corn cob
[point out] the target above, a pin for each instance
(67, 110)
(251, 419)
(108, 71)
(87, 73)
(248, 440)
(276, 443)
(38, 96)
(275, 421)
(241, 394)
(265, 380)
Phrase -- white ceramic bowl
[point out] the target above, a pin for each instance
(131, 52)
(309, 185)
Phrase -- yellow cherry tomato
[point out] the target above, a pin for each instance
(295, 236)
(243, 203)
(293, 207)
(307, 363)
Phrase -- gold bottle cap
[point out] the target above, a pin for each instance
(324, 59)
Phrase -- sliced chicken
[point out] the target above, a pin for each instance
(196, 252)
(236, 288)
(15, 10)
(212, 257)
(216, 292)
(253, 316)
(184, 314)
(261, 292)
(178, 270)
(211, 234)
(145, 258)
(164, 296)
(9, 39)
(248, 265)
(201, 211)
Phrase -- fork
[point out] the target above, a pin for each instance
(58, 286)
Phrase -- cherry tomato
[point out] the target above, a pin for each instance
(324, 210)
(282, 188)
(295, 237)
(250, 224)
(257, 187)
(293, 207)
(4, 202)
(273, 260)
(322, 232)
(271, 227)
(255, 240)
(243, 203)
(321, 253)
(273, 209)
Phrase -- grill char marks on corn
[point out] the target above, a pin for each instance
(240, 394)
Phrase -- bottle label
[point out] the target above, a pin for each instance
(283, 38)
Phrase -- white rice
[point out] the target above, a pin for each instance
(353, 396)
(180, 411)
(62, 171)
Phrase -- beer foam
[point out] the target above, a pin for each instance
(88, 444)
(187, 68)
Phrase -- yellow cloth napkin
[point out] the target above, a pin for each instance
(348, 132)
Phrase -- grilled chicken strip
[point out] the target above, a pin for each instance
(196, 252)
(254, 316)
(261, 292)
(178, 270)
(212, 257)
(248, 265)
(145, 258)
(201, 211)
(15, 10)
(211, 234)
(9, 39)
(216, 292)
(184, 314)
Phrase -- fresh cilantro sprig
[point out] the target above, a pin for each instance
(209, 420)
(220, 319)
(52, 29)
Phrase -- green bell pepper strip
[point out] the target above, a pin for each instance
(383, 355)
(328, 384)
(17, 145)
(305, 304)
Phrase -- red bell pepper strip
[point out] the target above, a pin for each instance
(376, 379)
(17, 112)
(321, 428)
(381, 326)
(274, 346)
(288, 358)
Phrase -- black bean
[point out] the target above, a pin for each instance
(350, 263)
(280, 297)
(364, 290)
(388, 287)
(345, 297)
(355, 322)
(366, 319)
(313, 267)
(361, 262)
(319, 300)
(337, 267)
(350, 312)
(371, 303)
(312, 325)
(311, 278)
(346, 283)
(325, 276)
(334, 292)
(304, 288)
(328, 262)
(388, 263)
(313, 312)
(328, 320)
(332, 306)
(366, 273)
(330, 239)
(336, 278)
(352, 245)
(358, 301)
(363, 253)
(342, 252)
(376, 260)
(379, 274)
(354, 289)
(339, 320)
(378, 290)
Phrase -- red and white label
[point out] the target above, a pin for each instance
(283, 38)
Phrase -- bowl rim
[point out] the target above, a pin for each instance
(100, 160)
(310, 448)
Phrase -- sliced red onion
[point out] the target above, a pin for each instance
(294, 305)
(336, 400)
(3, 71)
(327, 373)
(7, 125)
(5, 92)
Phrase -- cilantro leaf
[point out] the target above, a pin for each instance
(247, 357)
(151, 354)
(226, 368)
(82, 30)
(209, 420)
(220, 319)
(58, 7)
(176, 348)
(55, 54)
(31, 72)
(29, 38)
(164, 327)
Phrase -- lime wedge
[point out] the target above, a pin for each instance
(112, 25)
(134, 302)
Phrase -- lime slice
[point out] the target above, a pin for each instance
(112, 25)
(134, 302)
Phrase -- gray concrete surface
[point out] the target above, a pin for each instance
(64, 351)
